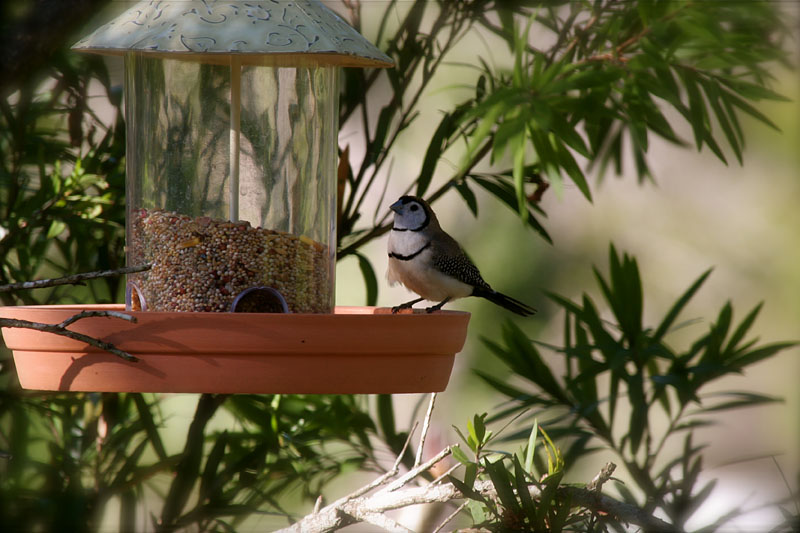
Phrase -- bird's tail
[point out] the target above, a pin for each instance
(515, 306)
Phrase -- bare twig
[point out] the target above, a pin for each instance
(380, 520)
(604, 475)
(75, 279)
(425, 425)
(88, 314)
(417, 470)
(383, 479)
(318, 504)
(450, 517)
(368, 508)
(352, 509)
(447, 473)
(60, 329)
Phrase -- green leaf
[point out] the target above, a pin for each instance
(476, 511)
(678, 306)
(575, 173)
(530, 451)
(639, 409)
(146, 416)
(209, 476)
(555, 463)
(381, 130)
(587, 79)
(370, 279)
(713, 96)
(507, 195)
(459, 454)
(568, 305)
(465, 439)
(742, 330)
(518, 156)
(129, 468)
(447, 126)
(477, 428)
(741, 399)
(566, 132)
(523, 357)
(502, 385)
(466, 490)
(760, 354)
(697, 115)
(500, 479)
(747, 108)
(57, 227)
(507, 132)
(470, 474)
(468, 196)
(752, 91)
(488, 113)
(523, 491)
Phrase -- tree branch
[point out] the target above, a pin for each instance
(604, 475)
(426, 424)
(60, 329)
(367, 508)
(74, 279)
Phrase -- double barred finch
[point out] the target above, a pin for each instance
(428, 261)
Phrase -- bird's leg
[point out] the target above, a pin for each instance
(437, 306)
(406, 305)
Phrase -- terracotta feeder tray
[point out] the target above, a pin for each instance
(355, 350)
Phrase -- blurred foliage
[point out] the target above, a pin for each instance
(515, 509)
(62, 180)
(610, 78)
(66, 456)
(621, 368)
(613, 75)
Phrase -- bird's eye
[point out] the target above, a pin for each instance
(414, 207)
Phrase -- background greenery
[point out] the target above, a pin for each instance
(485, 106)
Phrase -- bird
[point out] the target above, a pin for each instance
(429, 262)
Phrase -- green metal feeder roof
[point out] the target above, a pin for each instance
(274, 33)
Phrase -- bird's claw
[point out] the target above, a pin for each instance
(437, 307)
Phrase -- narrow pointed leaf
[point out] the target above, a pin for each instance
(678, 306)
(370, 279)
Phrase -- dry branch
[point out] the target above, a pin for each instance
(61, 329)
(348, 511)
(426, 424)
(604, 475)
(74, 279)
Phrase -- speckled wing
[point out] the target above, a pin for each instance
(450, 259)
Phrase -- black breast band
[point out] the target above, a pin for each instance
(409, 257)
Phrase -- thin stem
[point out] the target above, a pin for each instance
(75, 279)
(425, 425)
(59, 330)
(451, 516)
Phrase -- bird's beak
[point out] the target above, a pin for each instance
(397, 206)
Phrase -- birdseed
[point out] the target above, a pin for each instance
(201, 264)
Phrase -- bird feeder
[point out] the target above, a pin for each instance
(231, 110)
(232, 122)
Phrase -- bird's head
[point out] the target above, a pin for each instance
(412, 214)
